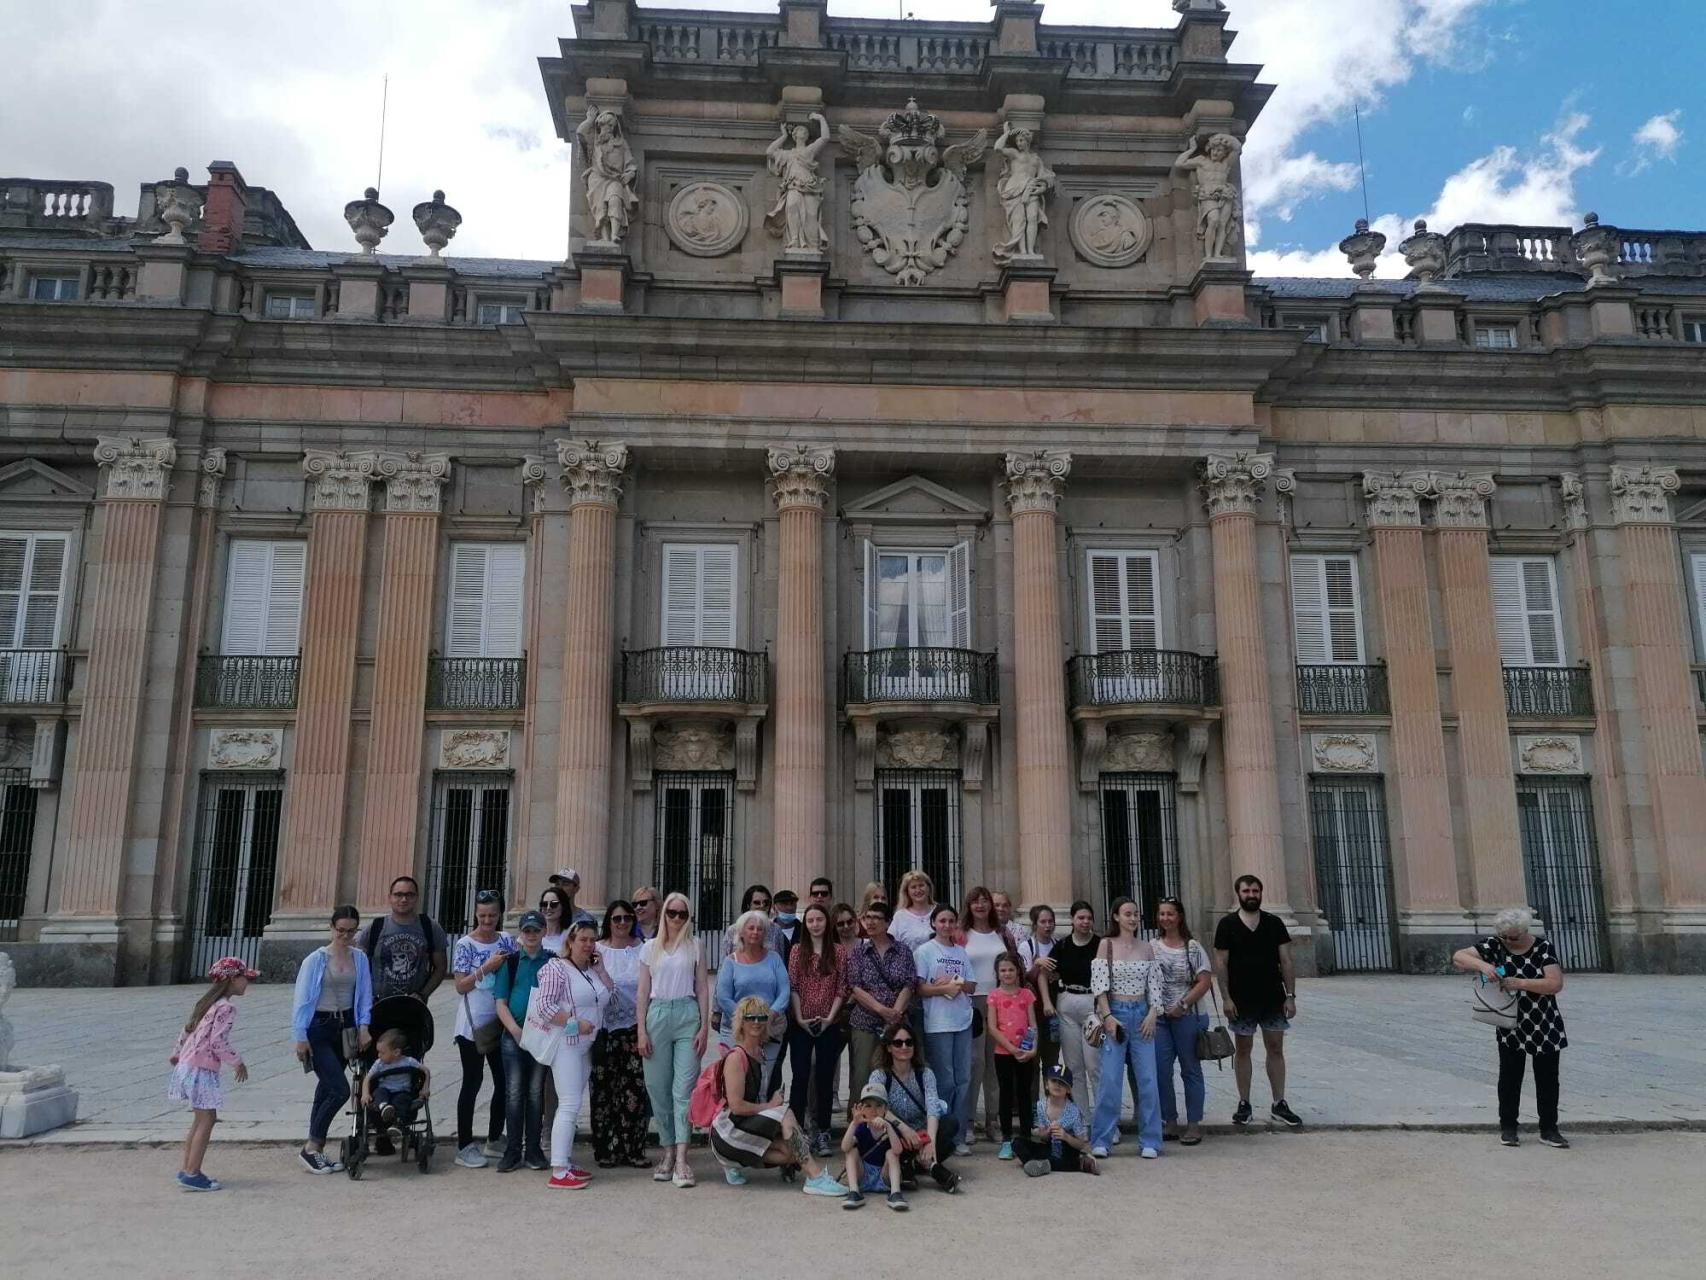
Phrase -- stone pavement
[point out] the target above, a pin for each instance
(1375, 1052)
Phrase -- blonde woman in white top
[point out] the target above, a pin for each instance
(1126, 984)
(911, 924)
(673, 1005)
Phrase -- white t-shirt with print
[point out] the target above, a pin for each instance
(467, 956)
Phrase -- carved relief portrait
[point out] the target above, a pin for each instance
(706, 219)
(1110, 230)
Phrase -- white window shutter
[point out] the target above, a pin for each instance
(872, 590)
(465, 627)
(14, 557)
(248, 568)
(1107, 611)
(40, 629)
(1697, 567)
(1309, 610)
(506, 577)
(1540, 603)
(1510, 617)
(287, 577)
(959, 596)
(1125, 600)
(717, 589)
(1142, 600)
(1344, 609)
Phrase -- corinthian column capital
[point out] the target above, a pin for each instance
(212, 473)
(1641, 494)
(341, 479)
(1460, 498)
(592, 470)
(1394, 500)
(799, 474)
(1036, 478)
(1232, 483)
(136, 468)
(1575, 497)
(414, 482)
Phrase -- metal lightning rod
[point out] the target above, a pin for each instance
(384, 102)
(1361, 167)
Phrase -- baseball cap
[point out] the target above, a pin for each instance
(873, 1092)
(531, 920)
(230, 967)
(1060, 1073)
(568, 873)
(784, 895)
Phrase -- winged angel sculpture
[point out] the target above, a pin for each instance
(910, 198)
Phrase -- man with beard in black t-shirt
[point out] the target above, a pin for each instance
(1252, 956)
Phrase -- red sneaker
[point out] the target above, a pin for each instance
(584, 1174)
(573, 1180)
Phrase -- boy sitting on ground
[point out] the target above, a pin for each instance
(872, 1147)
(389, 1084)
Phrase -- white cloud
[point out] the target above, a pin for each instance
(1657, 139)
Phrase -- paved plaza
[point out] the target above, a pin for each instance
(1366, 1052)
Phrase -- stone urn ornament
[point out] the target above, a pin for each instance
(437, 222)
(1424, 252)
(32, 1099)
(369, 219)
(1596, 248)
(179, 205)
(1363, 247)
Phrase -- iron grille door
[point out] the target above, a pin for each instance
(918, 828)
(236, 858)
(694, 851)
(17, 835)
(1560, 865)
(1140, 840)
(1353, 871)
(470, 844)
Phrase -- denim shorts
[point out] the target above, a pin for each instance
(1249, 1026)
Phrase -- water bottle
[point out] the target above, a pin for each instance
(1028, 1041)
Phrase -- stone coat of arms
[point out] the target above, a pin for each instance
(910, 198)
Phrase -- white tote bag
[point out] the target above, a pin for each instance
(540, 1040)
(1492, 1004)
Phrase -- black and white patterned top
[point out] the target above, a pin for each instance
(1540, 1027)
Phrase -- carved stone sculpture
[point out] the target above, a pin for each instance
(474, 749)
(32, 1099)
(1139, 753)
(369, 220)
(1597, 248)
(437, 223)
(1110, 230)
(693, 747)
(1424, 252)
(179, 205)
(592, 470)
(797, 215)
(910, 199)
(1363, 247)
(1026, 184)
(706, 219)
(1554, 753)
(608, 168)
(245, 748)
(1640, 494)
(136, 468)
(918, 748)
(1344, 752)
(1218, 204)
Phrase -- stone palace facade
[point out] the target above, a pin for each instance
(903, 469)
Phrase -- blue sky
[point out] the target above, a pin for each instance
(1474, 110)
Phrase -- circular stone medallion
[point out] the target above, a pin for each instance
(706, 219)
(1110, 230)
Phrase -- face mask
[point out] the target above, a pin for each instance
(786, 917)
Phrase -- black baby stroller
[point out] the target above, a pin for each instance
(415, 1140)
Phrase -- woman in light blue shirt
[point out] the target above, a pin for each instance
(945, 982)
(334, 994)
(754, 970)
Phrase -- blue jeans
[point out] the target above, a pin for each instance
(326, 1052)
(1176, 1041)
(1137, 1055)
(524, 1101)
(950, 1058)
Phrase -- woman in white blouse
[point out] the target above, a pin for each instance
(1185, 979)
(1126, 984)
(673, 1002)
(619, 1107)
(986, 941)
(911, 924)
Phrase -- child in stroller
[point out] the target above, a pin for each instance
(389, 1100)
(395, 1082)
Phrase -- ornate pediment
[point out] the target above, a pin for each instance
(914, 498)
(29, 479)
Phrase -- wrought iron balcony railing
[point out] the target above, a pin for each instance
(1342, 690)
(476, 684)
(1699, 687)
(254, 682)
(1167, 677)
(1548, 692)
(919, 675)
(694, 674)
(32, 675)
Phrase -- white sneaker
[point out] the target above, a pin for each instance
(1099, 1152)
(471, 1157)
(494, 1148)
(1150, 1153)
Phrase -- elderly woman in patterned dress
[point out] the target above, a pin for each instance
(1518, 961)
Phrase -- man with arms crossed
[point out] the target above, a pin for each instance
(1252, 958)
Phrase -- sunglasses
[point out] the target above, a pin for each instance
(486, 898)
(620, 919)
(546, 904)
(900, 1044)
(642, 904)
(676, 913)
(756, 1017)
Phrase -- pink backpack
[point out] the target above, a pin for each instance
(709, 1096)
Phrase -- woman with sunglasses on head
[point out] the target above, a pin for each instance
(619, 1106)
(751, 1131)
(474, 963)
(1186, 976)
(673, 1008)
(916, 1109)
(1126, 984)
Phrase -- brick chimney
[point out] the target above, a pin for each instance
(227, 205)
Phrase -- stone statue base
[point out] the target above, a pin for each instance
(34, 1100)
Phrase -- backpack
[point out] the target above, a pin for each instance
(708, 1096)
(375, 926)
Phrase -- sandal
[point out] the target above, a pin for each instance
(663, 1172)
(684, 1178)
(1192, 1136)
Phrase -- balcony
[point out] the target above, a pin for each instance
(1342, 690)
(1143, 677)
(32, 676)
(1699, 689)
(250, 683)
(1548, 693)
(694, 674)
(476, 684)
(919, 676)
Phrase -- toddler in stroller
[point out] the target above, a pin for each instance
(395, 1082)
(390, 1099)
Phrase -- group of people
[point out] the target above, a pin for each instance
(939, 1011)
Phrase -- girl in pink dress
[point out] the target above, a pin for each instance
(204, 1046)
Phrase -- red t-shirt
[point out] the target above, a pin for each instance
(1011, 1010)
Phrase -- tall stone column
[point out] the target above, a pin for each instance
(592, 474)
(1658, 637)
(1430, 911)
(309, 859)
(1478, 691)
(1035, 480)
(138, 473)
(800, 476)
(1232, 485)
(408, 577)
